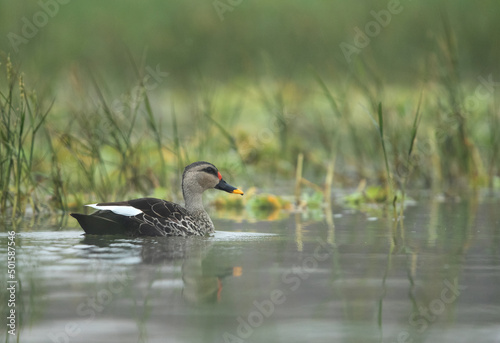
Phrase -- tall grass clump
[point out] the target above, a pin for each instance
(493, 141)
(116, 145)
(21, 120)
(456, 148)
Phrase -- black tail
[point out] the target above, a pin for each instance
(102, 223)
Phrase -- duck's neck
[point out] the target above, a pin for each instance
(193, 201)
(194, 205)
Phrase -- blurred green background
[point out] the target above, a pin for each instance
(250, 86)
(188, 38)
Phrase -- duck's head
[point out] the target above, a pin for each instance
(200, 176)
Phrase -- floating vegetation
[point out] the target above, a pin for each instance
(268, 202)
(253, 206)
(372, 194)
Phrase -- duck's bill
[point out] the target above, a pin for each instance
(224, 186)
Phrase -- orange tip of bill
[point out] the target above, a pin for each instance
(237, 191)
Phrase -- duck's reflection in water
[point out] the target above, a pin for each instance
(202, 275)
(202, 272)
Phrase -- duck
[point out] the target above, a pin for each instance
(157, 217)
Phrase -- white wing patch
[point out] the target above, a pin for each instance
(128, 211)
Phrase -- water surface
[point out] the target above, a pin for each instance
(349, 277)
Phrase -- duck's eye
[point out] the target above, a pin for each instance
(210, 170)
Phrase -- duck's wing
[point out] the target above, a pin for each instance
(150, 217)
(159, 208)
(164, 218)
(149, 206)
